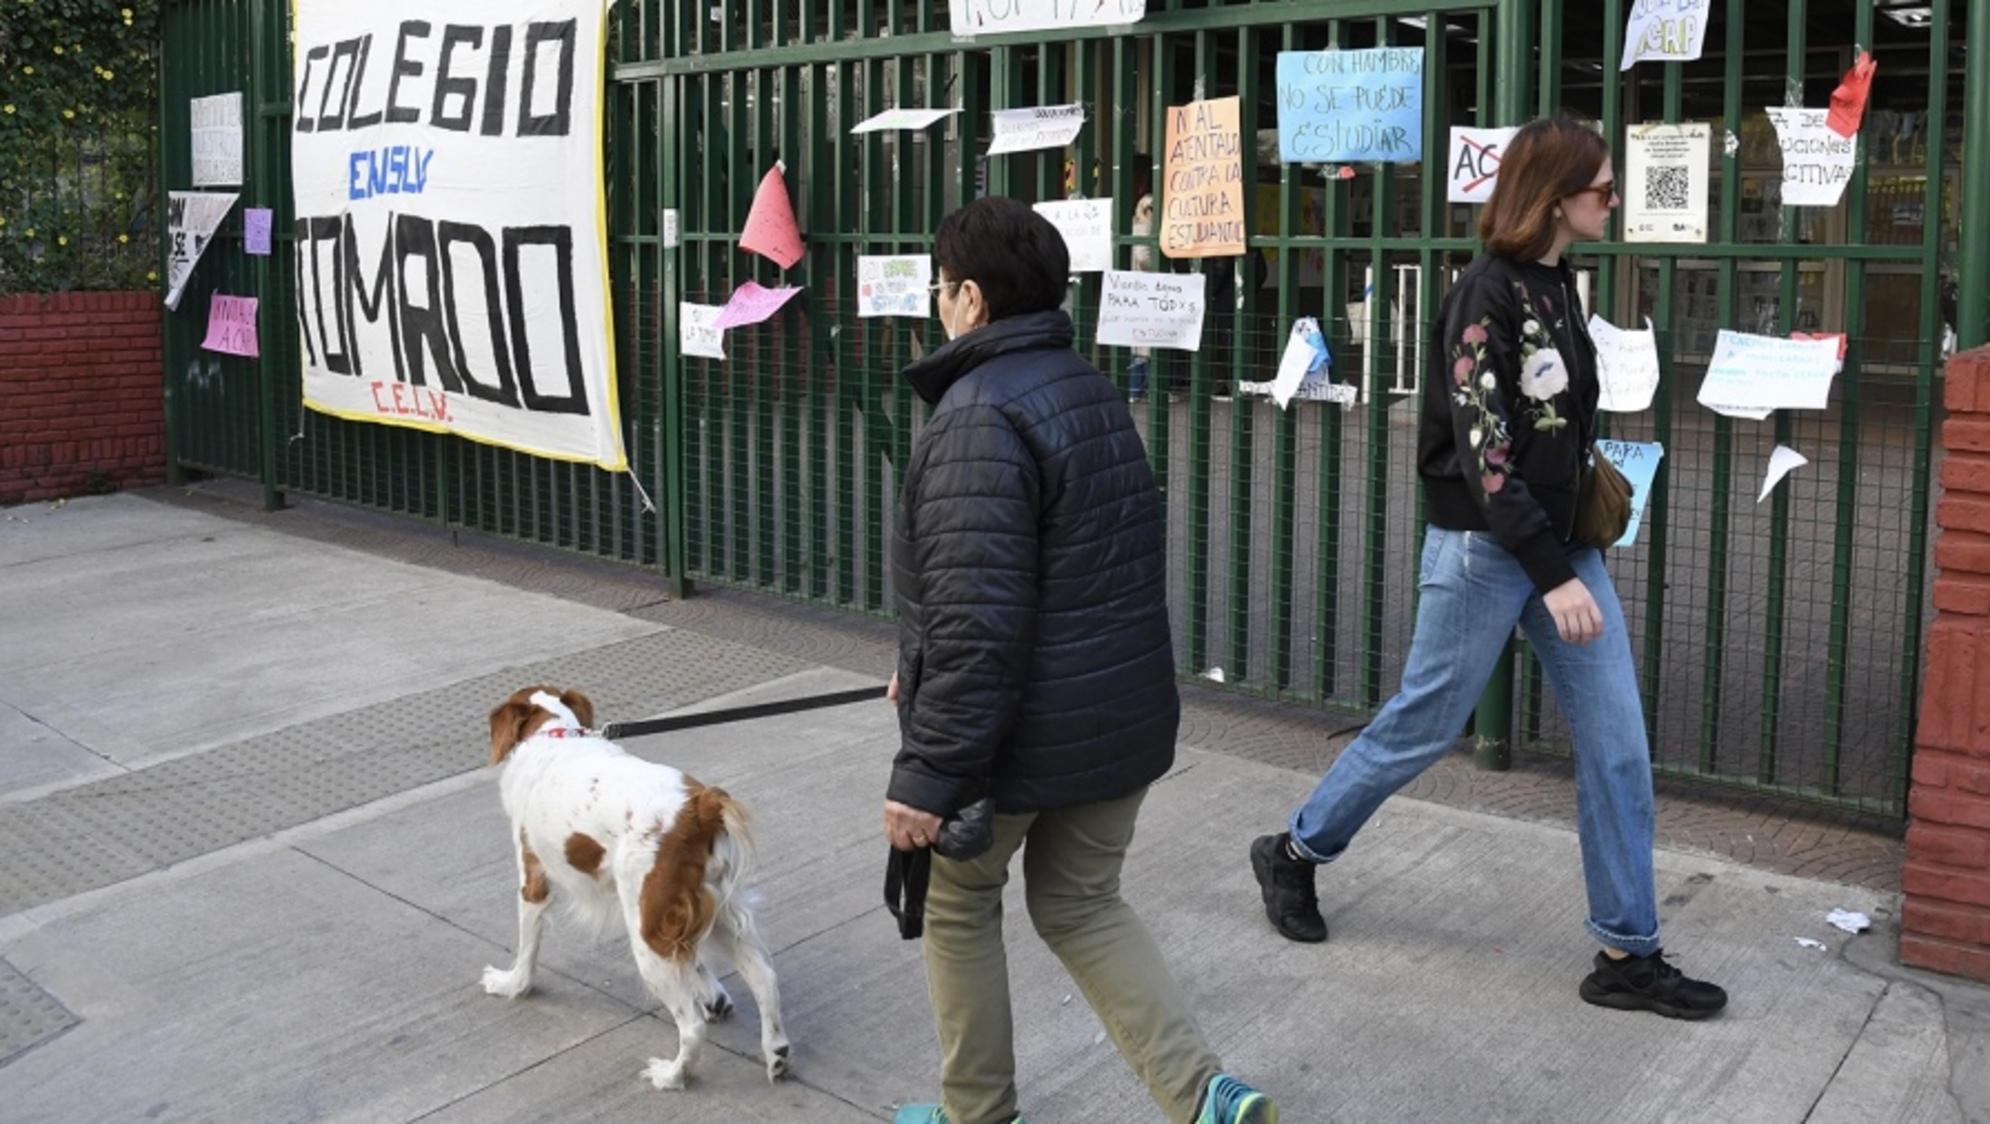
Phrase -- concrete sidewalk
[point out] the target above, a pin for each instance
(297, 930)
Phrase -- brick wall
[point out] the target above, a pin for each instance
(1946, 925)
(81, 392)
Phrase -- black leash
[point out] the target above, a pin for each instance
(665, 725)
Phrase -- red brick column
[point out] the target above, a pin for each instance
(1946, 926)
(82, 393)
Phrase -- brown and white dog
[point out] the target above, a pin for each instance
(611, 834)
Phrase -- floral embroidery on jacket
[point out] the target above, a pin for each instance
(1543, 372)
(1471, 382)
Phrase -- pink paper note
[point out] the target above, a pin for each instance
(231, 326)
(1848, 101)
(255, 230)
(770, 227)
(751, 303)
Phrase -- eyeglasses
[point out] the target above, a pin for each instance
(1605, 191)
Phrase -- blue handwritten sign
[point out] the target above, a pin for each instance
(1638, 461)
(1345, 107)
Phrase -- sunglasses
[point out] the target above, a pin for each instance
(1605, 191)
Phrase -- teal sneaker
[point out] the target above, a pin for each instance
(928, 1114)
(1230, 1101)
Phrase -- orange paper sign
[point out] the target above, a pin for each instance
(770, 227)
(1848, 101)
(1203, 200)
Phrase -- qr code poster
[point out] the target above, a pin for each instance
(1664, 183)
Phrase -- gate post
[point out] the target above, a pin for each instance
(1945, 924)
(1973, 292)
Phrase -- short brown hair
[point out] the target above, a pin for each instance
(1550, 159)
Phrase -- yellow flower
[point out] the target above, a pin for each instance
(29, 232)
(124, 238)
(3, 220)
(108, 76)
(126, 13)
(58, 48)
(152, 275)
(69, 115)
(62, 239)
(8, 108)
(27, 70)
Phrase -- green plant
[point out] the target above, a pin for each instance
(78, 143)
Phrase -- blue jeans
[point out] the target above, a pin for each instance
(1136, 379)
(1473, 593)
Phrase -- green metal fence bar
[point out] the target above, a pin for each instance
(1242, 358)
(1714, 651)
(1973, 291)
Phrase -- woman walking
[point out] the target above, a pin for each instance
(1509, 415)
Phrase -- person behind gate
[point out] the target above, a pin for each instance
(1036, 669)
(1509, 415)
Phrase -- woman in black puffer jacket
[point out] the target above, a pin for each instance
(1035, 668)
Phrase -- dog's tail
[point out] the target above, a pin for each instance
(732, 842)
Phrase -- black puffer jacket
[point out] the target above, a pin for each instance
(1035, 661)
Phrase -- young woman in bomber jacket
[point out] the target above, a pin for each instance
(1509, 415)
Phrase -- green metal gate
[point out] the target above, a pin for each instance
(1779, 643)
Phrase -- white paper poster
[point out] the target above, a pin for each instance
(1086, 225)
(1047, 126)
(1665, 31)
(1665, 182)
(1638, 461)
(1626, 366)
(192, 217)
(1817, 163)
(698, 332)
(916, 120)
(895, 286)
(216, 141)
(1752, 373)
(1305, 353)
(1000, 17)
(1474, 162)
(1151, 310)
(672, 232)
(1783, 461)
(452, 272)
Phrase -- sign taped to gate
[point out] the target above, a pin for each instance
(451, 221)
(1000, 17)
(1351, 107)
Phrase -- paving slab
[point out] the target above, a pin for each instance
(141, 631)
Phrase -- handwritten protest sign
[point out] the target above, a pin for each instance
(216, 141)
(1664, 31)
(1151, 310)
(1474, 162)
(1665, 182)
(752, 303)
(1817, 163)
(895, 286)
(449, 158)
(1203, 206)
(192, 217)
(231, 326)
(255, 231)
(1086, 225)
(1751, 373)
(1346, 107)
(1638, 461)
(1783, 460)
(893, 120)
(1001, 17)
(1047, 126)
(770, 226)
(698, 331)
(1626, 366)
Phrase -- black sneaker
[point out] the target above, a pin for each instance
(1289, 901)
(1648, 983)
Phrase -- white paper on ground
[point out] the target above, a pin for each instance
(1781, 463)
(1806, 942)
(1849, 921)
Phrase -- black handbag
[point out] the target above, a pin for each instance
(1603, 506)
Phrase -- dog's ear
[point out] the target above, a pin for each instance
(581, 705)
(508, 724)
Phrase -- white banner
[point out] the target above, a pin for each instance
(1000, 17)
(215, 143)
(451, 222)
(1086, 225)
(1047, 126)
(192, 217)
(1474, 162)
